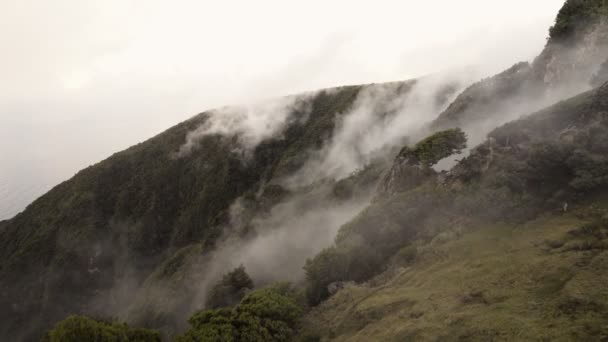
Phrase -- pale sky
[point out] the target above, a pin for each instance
(82, 79)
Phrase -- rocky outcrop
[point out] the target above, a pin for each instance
(563, 69)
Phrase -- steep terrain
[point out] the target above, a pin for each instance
(576, 47)
(114, 222)
(507, 245)
(510, 245)
(488, 282)
(111, 240)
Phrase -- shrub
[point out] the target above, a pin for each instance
(81, 328)
(436, 147)
(230, 289)
(269, 314)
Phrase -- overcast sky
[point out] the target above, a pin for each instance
(81, 79)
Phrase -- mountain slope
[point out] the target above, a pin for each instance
(144, 234)
(89, 244)
(470, 257)
(487, 282)
(120, 218)
(576, 48)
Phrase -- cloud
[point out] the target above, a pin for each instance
(251, 124)
(136, 68)
(382, 117)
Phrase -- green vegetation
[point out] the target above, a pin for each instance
(81, 328)
(436, 147)
(363, 245)
(575, 16)
(510, 178)
(265, 315)
(230, 289)
(133, 210)
(490, 281)
(509, 245)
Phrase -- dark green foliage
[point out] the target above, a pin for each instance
(412, 166)
(211, 325)
(535, 164)
(135, 209)
(546, 168)
(365, 244)
(81, 328)
(269, 314)
(575, 16)
(230, 289)
(436, 147)
(328, 266)
(577, 165)
(132, 210)
(538, 162)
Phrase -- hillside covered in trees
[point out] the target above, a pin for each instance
(440, 208)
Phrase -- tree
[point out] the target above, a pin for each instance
(412, 167)
(266, 315)
(230, 289)
(81, 328)
(436, 147)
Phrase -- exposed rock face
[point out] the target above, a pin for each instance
(567, 67)
(563, 69)
(480, 100)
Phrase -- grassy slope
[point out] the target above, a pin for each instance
(491, 281)
(541, 276)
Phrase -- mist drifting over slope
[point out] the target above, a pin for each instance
(278, 242)
(261, 185)
(384, 117)
(92, 79)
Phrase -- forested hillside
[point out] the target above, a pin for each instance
(440, 208)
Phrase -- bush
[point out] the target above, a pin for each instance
(81, 328)
(436, 147)
(269, 314)
(325, 268)
(230, 289)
